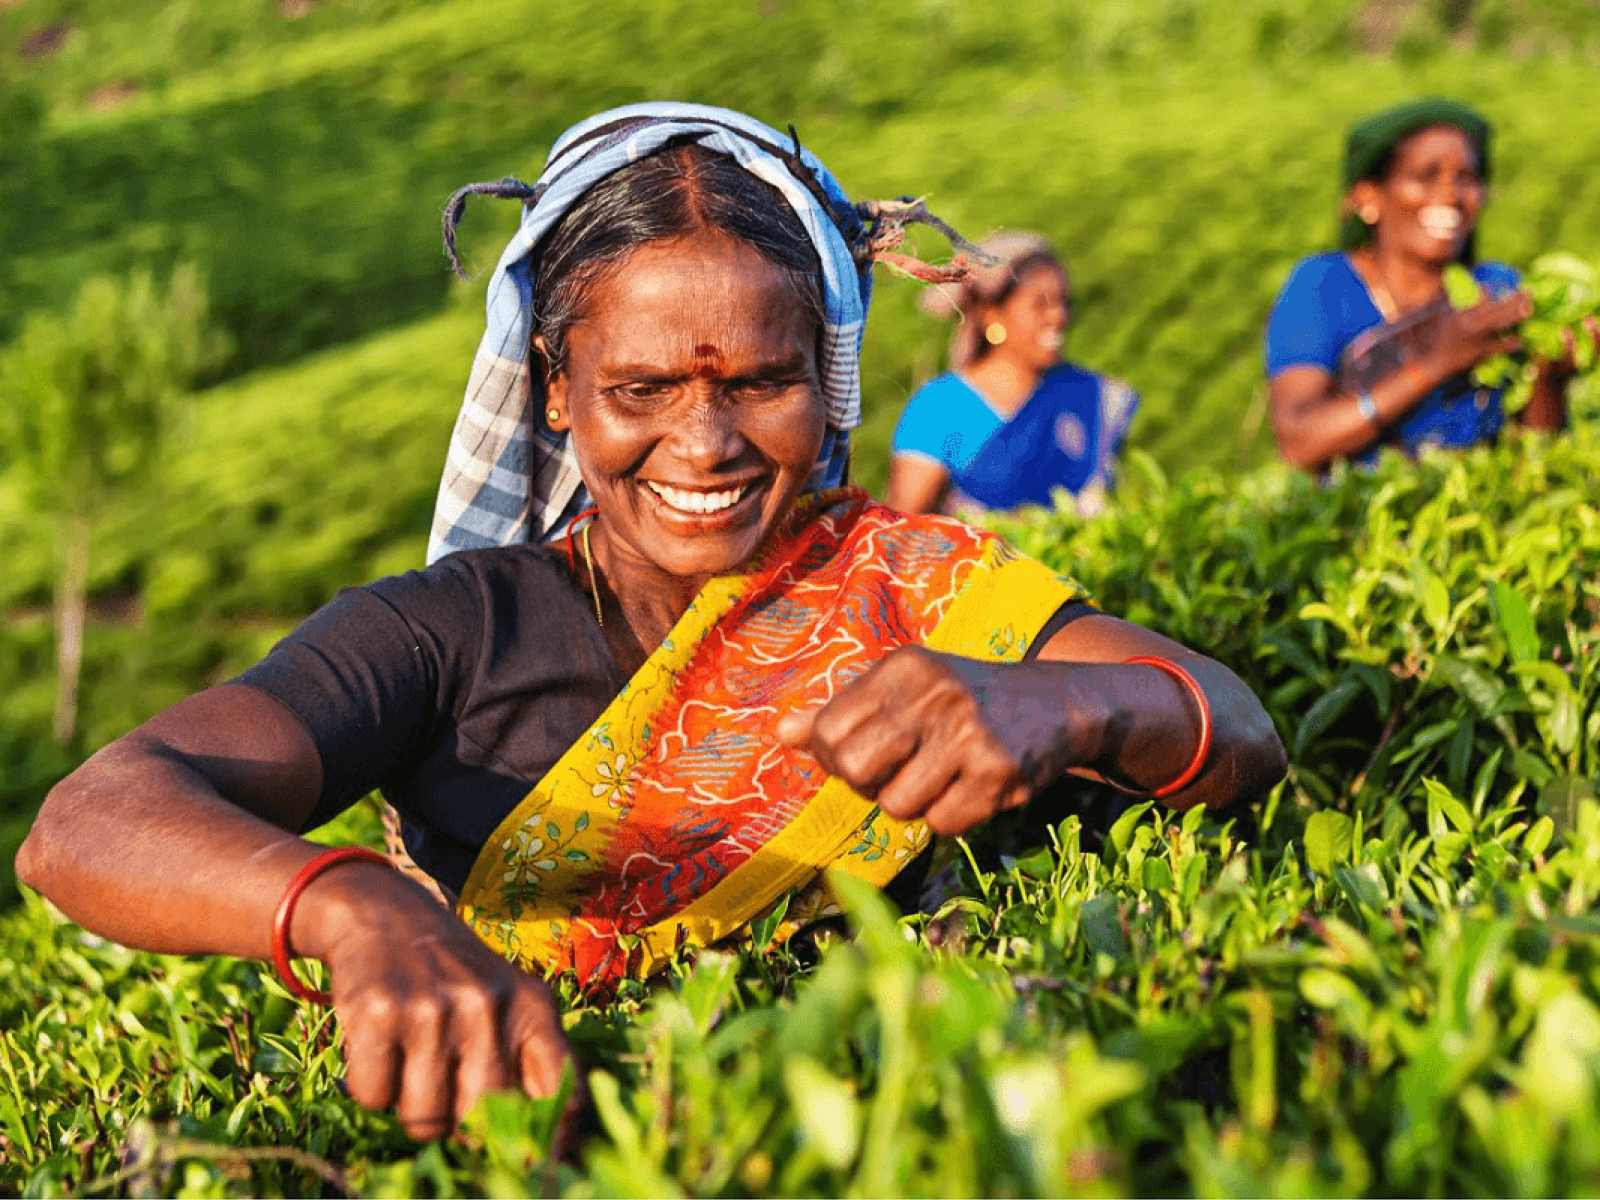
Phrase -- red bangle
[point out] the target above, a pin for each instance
(1201, 751)
(291, 896)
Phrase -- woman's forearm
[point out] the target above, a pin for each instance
(1547, 407)
(138, 847)
(1139, 727)
(1321, 421)
(178, 836)
(1144, 725)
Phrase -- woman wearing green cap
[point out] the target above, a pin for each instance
(1363, 348)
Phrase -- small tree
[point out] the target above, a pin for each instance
(85, 404)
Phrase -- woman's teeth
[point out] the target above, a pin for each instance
(697, 502)
(1440, 222)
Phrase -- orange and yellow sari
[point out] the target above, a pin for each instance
(678, 818)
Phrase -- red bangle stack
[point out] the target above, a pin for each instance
(285, 913)
(1202, 750)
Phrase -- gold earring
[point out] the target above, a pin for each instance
(995, 333)
(552, 414)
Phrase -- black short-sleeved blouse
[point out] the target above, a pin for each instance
(453, 690)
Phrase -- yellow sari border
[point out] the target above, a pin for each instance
(677, 818)
(837, 817)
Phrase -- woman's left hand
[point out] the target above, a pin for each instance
(956, 740)
(948, 739)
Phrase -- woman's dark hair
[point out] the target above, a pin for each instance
(1013, 276)
(682, 190)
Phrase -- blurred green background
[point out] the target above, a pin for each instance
(1181, 154)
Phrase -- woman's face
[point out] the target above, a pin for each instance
(1430, 201)
(693, 398)
(1035, 317)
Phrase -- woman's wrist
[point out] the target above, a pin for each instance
(1392, 397)
(351, 897)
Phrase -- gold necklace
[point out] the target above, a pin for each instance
(1382, 297)
(1385, 305)
(594, 580)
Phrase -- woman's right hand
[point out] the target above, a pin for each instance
(432, 1017)
(176, 838)
(1465, 337)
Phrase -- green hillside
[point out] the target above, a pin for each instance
(1181, 154)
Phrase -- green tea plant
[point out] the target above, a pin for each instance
(1565, 291)
(1178, 1012)
(1432, 618)
(1381, 980)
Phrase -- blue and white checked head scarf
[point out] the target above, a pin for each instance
(509, 477)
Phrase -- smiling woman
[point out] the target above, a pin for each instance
(1012, 423)
(664, 671)
(1363, 348)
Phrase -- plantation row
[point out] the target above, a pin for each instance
(1382, 981)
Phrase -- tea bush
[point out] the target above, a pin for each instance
(1382, 980)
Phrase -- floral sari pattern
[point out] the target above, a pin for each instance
(678, 817)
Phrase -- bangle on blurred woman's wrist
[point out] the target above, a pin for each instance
(1367, 409)
(285, 913)
(1202, 749)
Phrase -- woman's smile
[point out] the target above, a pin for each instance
(696, 503)
(1441, 221)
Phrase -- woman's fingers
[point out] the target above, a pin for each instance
(535, 1036)
(373, 1062)
(972, 799)
(920, 782)
(864, 733)
(427, 1085)
(485, 1057)
(912, 734)
(1470, 335)
(1498, 312)
(433, 1022)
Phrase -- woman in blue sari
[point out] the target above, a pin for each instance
(1363, 348)
(1012, 423)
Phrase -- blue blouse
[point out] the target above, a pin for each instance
(1325, 306)
(1066, 435)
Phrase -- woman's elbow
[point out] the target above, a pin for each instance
(1296, 456)
(1271, 762)
(1258, 760)
(42, 852)
(1252, 759)
(1299, 447)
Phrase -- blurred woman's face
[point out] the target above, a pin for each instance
(1035, 317)
(1429, 203)
(692, 394)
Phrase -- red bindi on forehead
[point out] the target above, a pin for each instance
(708, 361)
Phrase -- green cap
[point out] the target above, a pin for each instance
(1373, 137)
